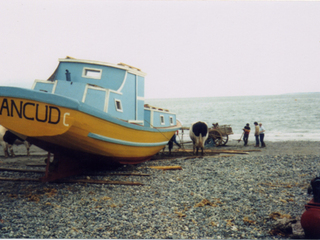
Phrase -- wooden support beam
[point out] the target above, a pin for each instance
(62, 166)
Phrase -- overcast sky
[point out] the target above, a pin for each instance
(187, 48)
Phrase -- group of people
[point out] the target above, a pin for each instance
(258, 134)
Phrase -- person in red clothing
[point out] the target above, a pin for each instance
(246, 132)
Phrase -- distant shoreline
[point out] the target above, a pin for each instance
(290, 147)
(281, 94)
(251, 139)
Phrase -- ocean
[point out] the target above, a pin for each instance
(285, 117)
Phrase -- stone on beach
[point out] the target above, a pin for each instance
(211, 197)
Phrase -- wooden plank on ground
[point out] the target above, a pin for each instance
(218, 151)
(19, 179)
(162, 158)
(234, 152)
(74, 181)
(166, 167)
(36, 165)
(21, 170)
(92, 181)
(117, 174)
(253, 150)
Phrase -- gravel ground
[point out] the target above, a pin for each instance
(224, 196)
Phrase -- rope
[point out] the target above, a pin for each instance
(157, 130)
(181, 143)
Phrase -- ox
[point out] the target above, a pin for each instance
(7, 139)
(198, 133)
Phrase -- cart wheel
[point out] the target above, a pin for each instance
(217, 137)
(224, 140)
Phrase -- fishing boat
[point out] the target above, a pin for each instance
(87, 112)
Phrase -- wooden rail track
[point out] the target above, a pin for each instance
(90, 181)
(188, 153)
(164, 156)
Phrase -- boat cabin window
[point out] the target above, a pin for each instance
(118, 105)
(171, 120)
(92, 73)
(161, 119)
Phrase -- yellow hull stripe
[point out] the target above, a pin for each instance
(127, 143)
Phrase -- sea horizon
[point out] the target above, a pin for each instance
(286, 117)
(146, 99)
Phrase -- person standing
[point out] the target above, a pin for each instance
(261, 134)
(246, 132)
(174, 139)
(256, 133)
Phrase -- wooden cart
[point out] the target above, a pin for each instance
(219, 135)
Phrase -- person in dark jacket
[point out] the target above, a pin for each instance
(256, 133)
(246, 131)
(173, 140)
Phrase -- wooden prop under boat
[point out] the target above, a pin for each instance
(87, 113)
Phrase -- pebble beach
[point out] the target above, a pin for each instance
(225, 196)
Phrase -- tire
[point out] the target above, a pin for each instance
(224, 140)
